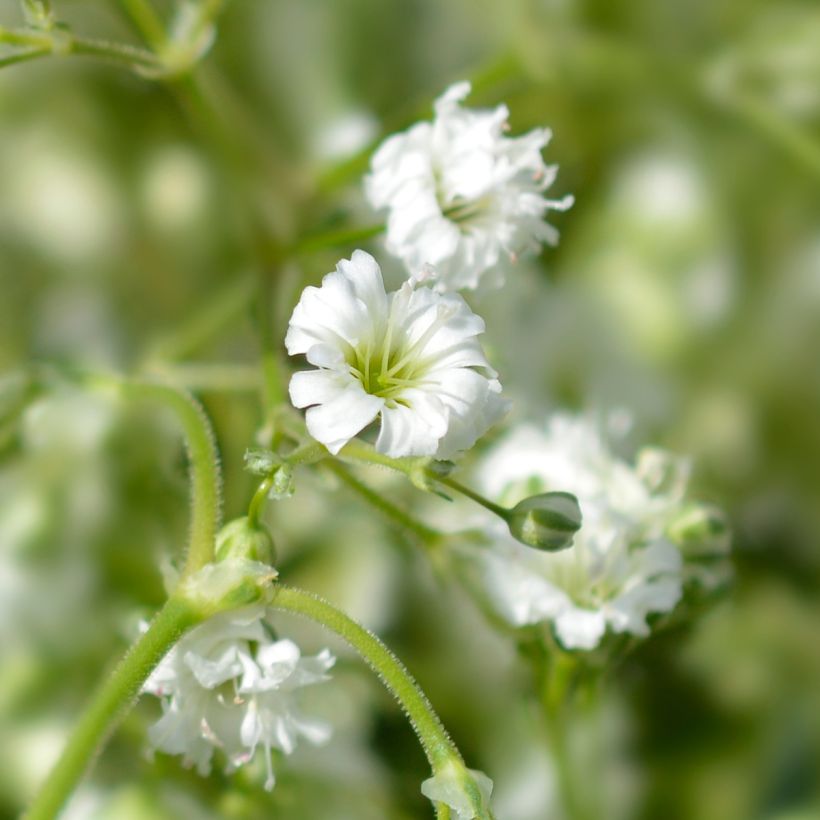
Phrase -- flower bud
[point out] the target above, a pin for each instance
(239, 540)
(546, 522)
(701, 531)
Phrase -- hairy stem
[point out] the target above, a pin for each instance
(110, 704)
(437, 745)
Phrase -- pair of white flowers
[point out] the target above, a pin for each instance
(460, 196)
(229, 685)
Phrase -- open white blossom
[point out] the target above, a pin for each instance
(227, 685)
(461, 195)
(410, 357)
(622, 565)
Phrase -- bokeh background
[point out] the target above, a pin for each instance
(685, 290)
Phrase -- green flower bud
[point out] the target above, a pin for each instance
(239, 540)
(227, 584)
(546, 522)
(701, 531)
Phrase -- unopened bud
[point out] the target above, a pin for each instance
(546, 522)
(238, 540)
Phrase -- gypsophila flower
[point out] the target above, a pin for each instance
(461, 195)
(622, 566)
(410, 357)
(228, 685)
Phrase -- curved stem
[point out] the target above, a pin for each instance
(438, 747)
(109, 706)
(206, 482)
(404, 520)
(442, 754)
(206, 478)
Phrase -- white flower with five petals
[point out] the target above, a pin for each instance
(228, 685)
(411, 358)
(461, 195)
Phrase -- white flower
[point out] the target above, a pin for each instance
(460, 194)
(410, 357)
(622, 566)
(228, 685)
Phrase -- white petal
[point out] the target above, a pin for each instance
(336, 422)
(580, 628)
(366, 277)
(309, 387)
(412, 430)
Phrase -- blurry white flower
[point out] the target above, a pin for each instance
(345, 135)
(228, 685)
(622, 566)
(460, 194)
(411, 357)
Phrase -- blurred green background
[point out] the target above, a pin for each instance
(686, 289)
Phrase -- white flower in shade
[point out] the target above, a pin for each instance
(410, 357)
(622, 565)
(460, 194)
(227, 685)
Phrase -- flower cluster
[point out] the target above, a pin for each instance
(623, 565)
(461, 195)
(228, 685)
(411, 358)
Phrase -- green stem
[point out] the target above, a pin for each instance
(779, 130)
(394, 513)
(438, 747)
(333, 239)
(62, 42)
(359, 451)
(147, 21)
(209, 376)
(206, 481)
(109, 706)
(441, 752)
(258, 501)
(559, 676)
(501, 512)
(221, 310)
(24, 56)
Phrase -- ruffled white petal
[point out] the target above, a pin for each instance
(413, 359)
(336, 421)
(462, 195)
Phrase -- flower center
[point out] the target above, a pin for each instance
(464, 211)
(385, 370)
(388, 365)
